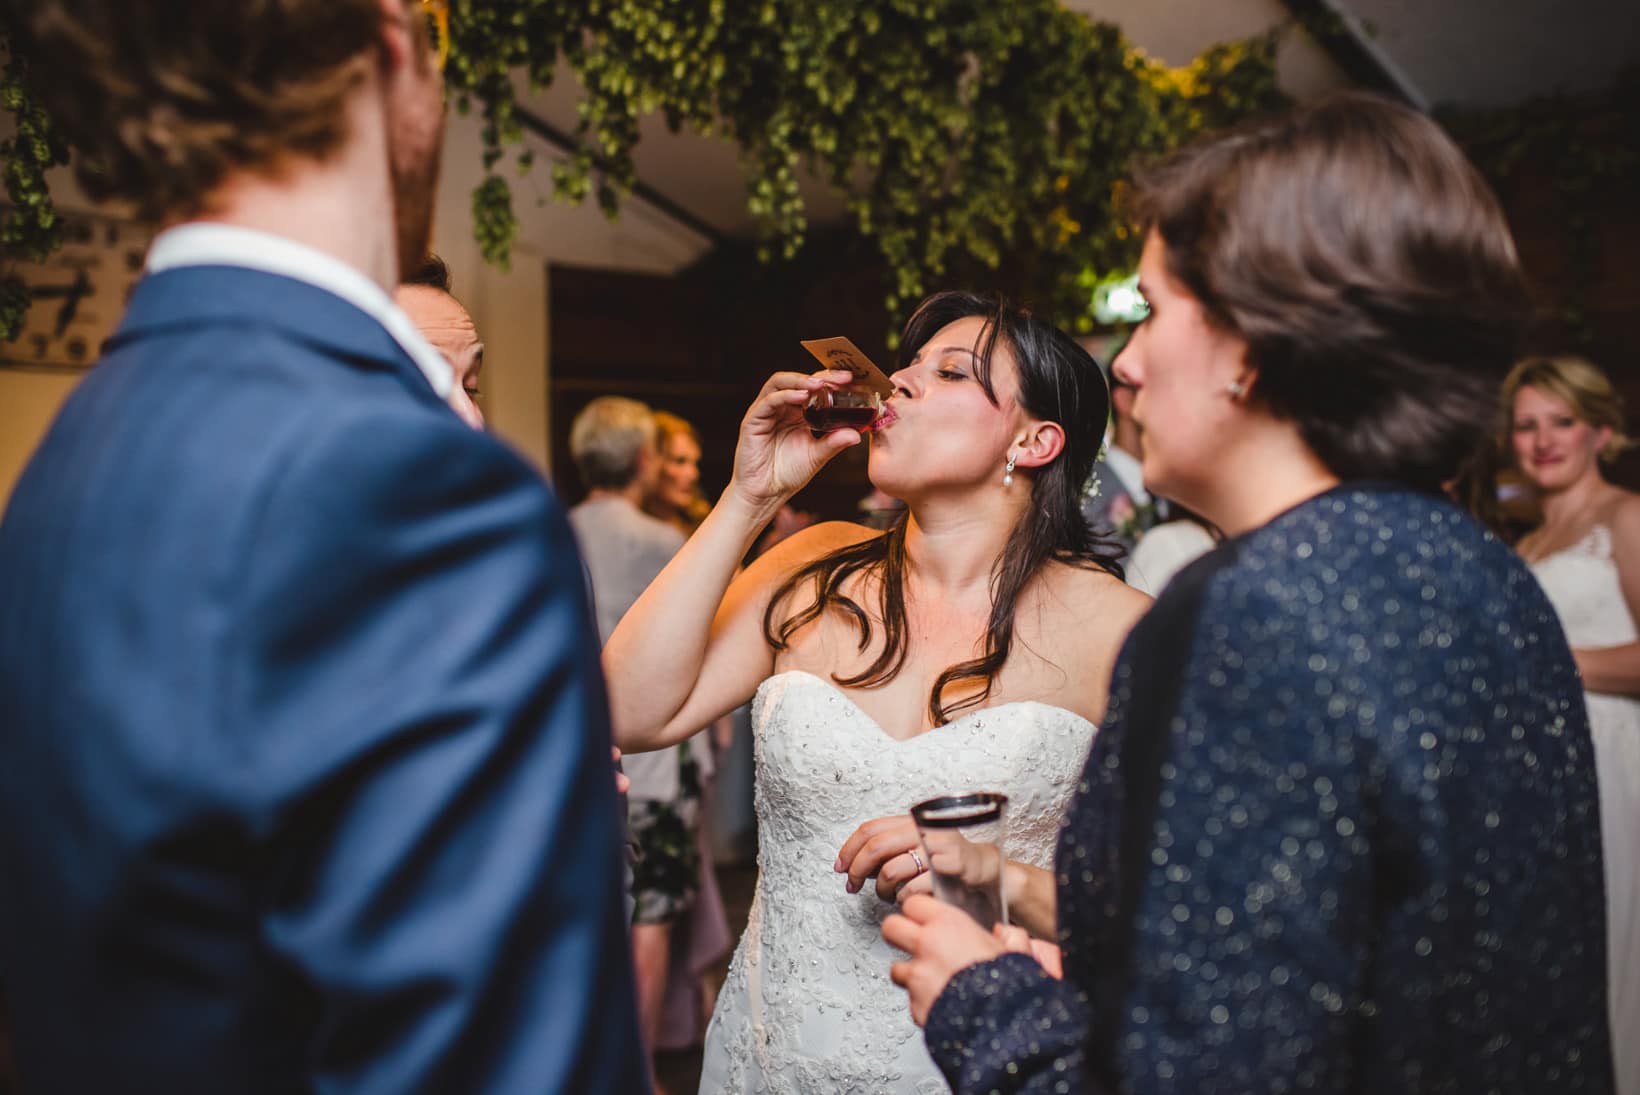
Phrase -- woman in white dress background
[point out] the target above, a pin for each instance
(967, 648)
(1564, 419)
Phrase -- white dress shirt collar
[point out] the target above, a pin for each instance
(200, 243)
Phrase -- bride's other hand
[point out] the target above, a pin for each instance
(923, 883)
(882, 849)
(975, 863)
(941, 940)
(777, 453)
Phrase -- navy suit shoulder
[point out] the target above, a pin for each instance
(1375, 859)
(300, 669)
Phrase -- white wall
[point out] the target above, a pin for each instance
(510, 307)
(29, 399)
(28, 403)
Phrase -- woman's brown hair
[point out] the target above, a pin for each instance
(1367, 267)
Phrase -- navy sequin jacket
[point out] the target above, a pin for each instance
(1339, 833)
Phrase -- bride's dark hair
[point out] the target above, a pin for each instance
(1058, 382)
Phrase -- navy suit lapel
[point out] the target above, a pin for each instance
(229, 296)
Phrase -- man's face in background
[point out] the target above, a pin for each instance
(446, 324)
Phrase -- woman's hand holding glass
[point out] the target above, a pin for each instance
(778, 453)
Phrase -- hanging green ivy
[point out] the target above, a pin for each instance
(30, 227)
(960, 132)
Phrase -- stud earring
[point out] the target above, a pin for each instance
(1008, 472)
(1235, 389)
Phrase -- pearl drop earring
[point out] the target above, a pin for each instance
(1008, 472)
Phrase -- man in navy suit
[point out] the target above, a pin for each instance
(305, 779)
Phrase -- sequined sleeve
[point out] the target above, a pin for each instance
(1257, 910)
(1006, 1026)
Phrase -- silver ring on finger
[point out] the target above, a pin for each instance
(917, 859)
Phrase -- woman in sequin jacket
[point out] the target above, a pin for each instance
(1340, 831)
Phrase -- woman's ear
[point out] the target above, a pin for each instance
(1039, 444)
(1245, 382)
(1603, 442)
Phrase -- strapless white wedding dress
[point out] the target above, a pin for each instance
(808, 1006)
(1582, 584)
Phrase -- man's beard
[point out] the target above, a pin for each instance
(415, 185)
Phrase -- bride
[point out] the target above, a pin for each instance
(967, 648)
(1564, 419)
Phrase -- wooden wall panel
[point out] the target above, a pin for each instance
(701, 345)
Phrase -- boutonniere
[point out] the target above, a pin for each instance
(1090, 489)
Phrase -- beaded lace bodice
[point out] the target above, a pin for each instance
(808, 1005)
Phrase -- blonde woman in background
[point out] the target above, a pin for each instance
(676, 497)
(1565, 418)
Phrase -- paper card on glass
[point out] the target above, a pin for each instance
(840, 353)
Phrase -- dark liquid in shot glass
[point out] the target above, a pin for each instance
(822, 420)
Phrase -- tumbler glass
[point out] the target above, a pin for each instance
(962, 838)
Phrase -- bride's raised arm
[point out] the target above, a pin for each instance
(692, 647)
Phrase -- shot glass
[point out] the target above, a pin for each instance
(856, 407)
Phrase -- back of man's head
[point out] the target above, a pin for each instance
(609, 440)
(162, 100)
(433, 273)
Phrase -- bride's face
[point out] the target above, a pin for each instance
(1553, 446)
(940, 429)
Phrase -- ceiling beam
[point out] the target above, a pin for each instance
(566, 144)
(1353, 50)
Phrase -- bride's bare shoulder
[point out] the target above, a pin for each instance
(1106, 606)
(813, 541)
(808, 544)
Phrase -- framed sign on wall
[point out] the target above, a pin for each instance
(79, 293)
